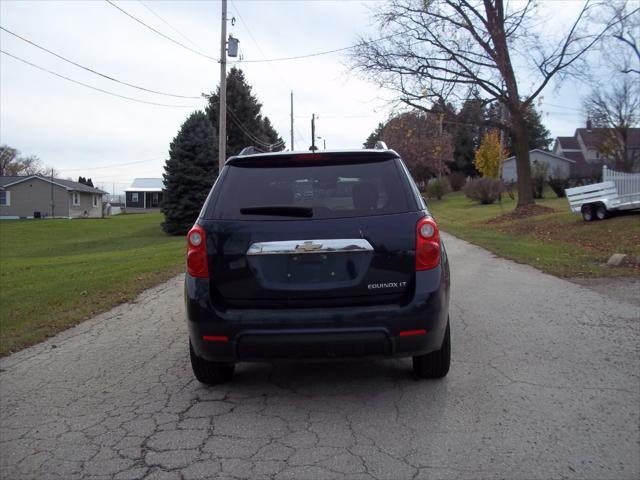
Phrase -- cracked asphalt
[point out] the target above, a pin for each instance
(544, 384)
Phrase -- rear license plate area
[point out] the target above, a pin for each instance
(320, 268)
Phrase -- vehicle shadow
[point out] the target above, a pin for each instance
(352, 379)
(324, 373)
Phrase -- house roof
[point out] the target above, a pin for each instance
(6, 180)
(594, 137)
(577, 157)
(553, 155)
(569, 143)
(146, 185)
(69, 185)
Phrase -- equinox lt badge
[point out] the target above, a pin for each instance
(373, 286)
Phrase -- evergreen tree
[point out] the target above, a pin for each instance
(371, 140)
(539, 136)
(245, 124)
(89, 182)
(81, 180)
(446, 113)
(190, 171)
(467, 136)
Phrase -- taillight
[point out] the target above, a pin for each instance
(310, 156)
(427, 244)
(197, 264)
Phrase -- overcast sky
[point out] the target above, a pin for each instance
(80, 131)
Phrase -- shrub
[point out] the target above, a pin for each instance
(457, 180)
(558, 185)
(510, 187)
(581, 181)
(484, 190)
(538, 176)
(437, 188)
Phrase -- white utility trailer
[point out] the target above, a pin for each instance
(617, 191)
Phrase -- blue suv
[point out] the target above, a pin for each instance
(308, 256)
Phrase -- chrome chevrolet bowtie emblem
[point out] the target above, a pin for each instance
(308, 246)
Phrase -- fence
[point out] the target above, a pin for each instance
(626, 183)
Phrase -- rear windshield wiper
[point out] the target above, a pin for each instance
(280, 210)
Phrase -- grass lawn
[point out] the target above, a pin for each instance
(56, 273)
(559, 243)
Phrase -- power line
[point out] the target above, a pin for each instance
(169, 25)
(92, 87)
(235, 7)
(326, 52)
(364, 115)
(270, 65)
(173, 40)
(297, 57)
(562, 106)
(240, 125)
(243, 128)
(108, 77)
(111, 166)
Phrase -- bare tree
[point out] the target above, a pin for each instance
(445, 48)
(614, 110)
(622, 47)
(32, 165)
(419, 140)
(11, 163)
(8, 157)
(613, 106)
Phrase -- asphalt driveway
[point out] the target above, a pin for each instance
(545, 383)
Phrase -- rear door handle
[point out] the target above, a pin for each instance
(333, 245)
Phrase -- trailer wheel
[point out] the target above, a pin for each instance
(601, 211)
(587, 212)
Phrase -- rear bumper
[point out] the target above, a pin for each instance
(313, 334)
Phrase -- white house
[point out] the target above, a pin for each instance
(559, 167)
(144, 194)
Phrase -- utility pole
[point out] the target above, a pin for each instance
(313, 132)
(292, 144)
(222, 134)
(53, 206)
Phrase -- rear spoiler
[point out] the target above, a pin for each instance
(322, 157)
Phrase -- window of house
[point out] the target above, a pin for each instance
(134, 197)
(5, 199)
(76, 198)
(95, 200)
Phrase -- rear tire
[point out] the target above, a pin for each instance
(587, 213)
(210, 373)
(601, 211)
(435, 364)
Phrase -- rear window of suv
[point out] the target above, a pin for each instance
(311, 191)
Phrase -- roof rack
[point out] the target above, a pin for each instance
(380, 145)
(250, 150)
